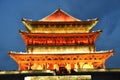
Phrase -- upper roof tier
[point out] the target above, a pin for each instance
(59, 20)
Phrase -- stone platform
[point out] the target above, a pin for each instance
(69, 77)
(94, 74)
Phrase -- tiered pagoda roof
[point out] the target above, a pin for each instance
(60, 39)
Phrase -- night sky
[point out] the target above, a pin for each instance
(12, 11)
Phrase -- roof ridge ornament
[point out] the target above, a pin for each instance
(59, 7)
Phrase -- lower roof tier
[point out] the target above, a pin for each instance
(96, 56)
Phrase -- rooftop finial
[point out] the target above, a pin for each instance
(59, 7)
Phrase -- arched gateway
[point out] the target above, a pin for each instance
(60, 42)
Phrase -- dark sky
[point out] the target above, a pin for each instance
(11, 12)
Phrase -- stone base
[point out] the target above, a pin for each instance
(70, 77)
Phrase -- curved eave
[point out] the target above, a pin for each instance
(19, 56)
(98, 32)
(111, 52)
(57, 22)
(27, 26)
(23, 36)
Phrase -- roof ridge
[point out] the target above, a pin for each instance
(55, 16)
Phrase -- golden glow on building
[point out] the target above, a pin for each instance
(60, 41)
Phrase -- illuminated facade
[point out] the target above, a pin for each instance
(60, 41)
